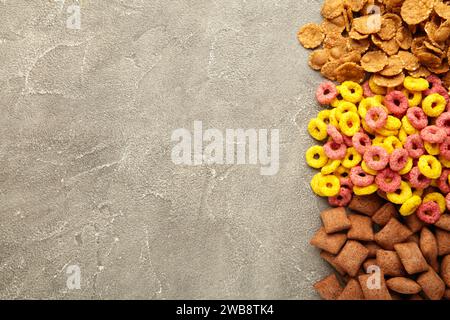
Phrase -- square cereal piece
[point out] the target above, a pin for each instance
(361, 228)
(374, 293)
(372, 247)
(367, 205)
(352, 257)
(445, 270)
(335, 220)
(328, 257)
(352, 291)
(411, 257)
(413, 223)
(390, 263)
(328, 288)
(384, 214)
(444, 222)
(443, 240)
(432, 285)
(392, 233)
(331, 243)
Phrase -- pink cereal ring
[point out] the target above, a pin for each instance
(388, 180)
(396, 102)
(417, 117)
(433, 134)
(447, 201)
(334, 133)
(367, 92)
(444, 148)
(442, 182)
(361, 142)
(326, 93)
(346, 183)
(440, 90)
(361, 178)
(414, 146)
(398, 159)
(444, 122)
(429, 212)
(434, 81)
(376, 118)
(342, 199)
(347, 140)
(376, 158)
(334, 150)
(417, 179)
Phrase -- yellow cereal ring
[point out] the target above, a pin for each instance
(352, 158)
(365, 191)
(402, 136)
(415, 191)
(366, 169)
(444, 162)
(368, 103)
(330, 167)
(438, 198)
(408, 127)
(345, 106)
(415, 84)
(349, 123)
(403, 196)
(414, 97)
(324, 115)
(335, 102)
(378, 139)
(317, 129)
(333, 119)
(410, 206)
(386, 132)
(391, 143)
(366, 128)
(315, 184)
(316, 157)
(376, 88)
(351, 91)
(393, 123)
(434, 105)
(342, 172)
(408, 167)
(432, 148)
(329, 186)
(430, 167)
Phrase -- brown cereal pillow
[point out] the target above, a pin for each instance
(403, 285)
(352, 257)
(329, 287)
(390, 263)
(371, 293)
(335, 220)
(443, 240)
(367, 205)
(352, 291)
(393, 232)
(411, 257)
(432, 285)
(361, 228)
(444, 222)
(384, 214)
(331, 243)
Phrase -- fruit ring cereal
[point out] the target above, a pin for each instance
(391, 143)
(433, 149)
(407, 168)
(346, 183)
(365, 191)
(330, 167)
(417, 118)
(447, 201)
(401, 195)
(388, 180)
(417, 179)
(436, 197)
(315, 184)
(334, 133)
(410, 206)
(317, 129)
(393, 123)
(334, 150)
(347, 141)
(366, 90)
(376, 158)
(326, 93)
(349, 123)
(443, 181)
(439, 90)
(396, 102)
(342, 172)
(329, 186)
(351, 91)
(433, 134)
(316, 157)
(408, 127)
(361, 142)
(429, 212)
(352, 158)
(376, 118)
(430, 167)
(444, 122)
(360, 178)
(415, 84)
(414, 146)
(444, 148)
(398, 159)
(433, 81)
(414, 98)
(434, 105)
(342, 199)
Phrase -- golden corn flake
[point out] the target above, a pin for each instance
(441, 69)
(428, 59)
(374, 61)
(422, 72)
(353, 56)
(433, 48)
(394, 67)
(334, 40)
(404, 38)
(388, 82)
(442, 33)
(318, 58)
(446, 80)
(410, 61)
(311, 36)
(390, 23)
(366, 25)
(332, 8)
(442, 9)
(356, 35)
(336, 25)
(329, 69)
(391, 47)
(358, 45)
(416, 11)
(338, 52)
(355, 5)
(350, 71)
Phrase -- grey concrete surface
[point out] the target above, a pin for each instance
(86, 176)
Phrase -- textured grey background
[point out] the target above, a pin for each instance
(85, 170)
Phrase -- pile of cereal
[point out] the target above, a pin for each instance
(389, 39)
(379, 255)
(394, 142)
